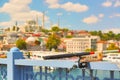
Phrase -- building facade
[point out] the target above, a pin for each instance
(101, 45)
(80, 44)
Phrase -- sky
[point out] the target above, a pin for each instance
(72, 14)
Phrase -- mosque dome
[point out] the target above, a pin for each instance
(30, 40)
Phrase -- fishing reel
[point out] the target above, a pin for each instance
(82, 64)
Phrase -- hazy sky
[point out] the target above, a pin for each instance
(73, 14)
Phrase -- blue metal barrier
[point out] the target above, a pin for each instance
(15, 67)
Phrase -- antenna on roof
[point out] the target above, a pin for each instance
(58, 21)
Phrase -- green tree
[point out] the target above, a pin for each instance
(117, 36)
(100, 33)
(21, 44)
(69, 36)
(89, 50)
(65, 31)
(111, 35)
(55, 29)
(94, 33)
(53, 42)
(112, 46)
(105, 37)
(45, 31)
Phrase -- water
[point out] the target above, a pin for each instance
(75, 73)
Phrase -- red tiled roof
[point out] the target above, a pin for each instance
(101, 42)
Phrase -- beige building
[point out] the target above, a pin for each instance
(101, 45)
(80, 44)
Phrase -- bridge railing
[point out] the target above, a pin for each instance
(15, 67)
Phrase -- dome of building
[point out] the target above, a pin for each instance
(30, 40)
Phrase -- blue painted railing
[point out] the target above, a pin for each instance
(15, 67)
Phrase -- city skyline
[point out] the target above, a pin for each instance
(73, 14)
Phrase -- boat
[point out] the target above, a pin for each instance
(112, 57)
(42, 55)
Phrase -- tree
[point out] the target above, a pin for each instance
(69, 36)
(94, 33)
(55, 29)
(89, 50)
(45, 31)
(53, 42)
(65, 31)
(112, 46)
(117, 36)
(21, 44)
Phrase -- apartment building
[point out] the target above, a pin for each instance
(81, 43)
(101, 45)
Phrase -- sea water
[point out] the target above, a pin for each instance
(99, 74)
(77, 72)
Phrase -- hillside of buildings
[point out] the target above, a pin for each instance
(33, 37)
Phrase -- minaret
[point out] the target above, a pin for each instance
(43, 20)
(37, 26)
(58, 21)
(36, 19)
(16, 23)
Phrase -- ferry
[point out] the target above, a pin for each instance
(40, 55)
(112, 57)
(43, 55)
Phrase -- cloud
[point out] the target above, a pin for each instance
(69, 6)
(115, 15)
(14, 6)
(59, 14)
(6, 24)
(117, 4)
(19, 10)
(52, 3)
(111, 3)
(91, 20)
(54, 6)
(74, 7)
(107, 4)
(115, 30)
(101, 15)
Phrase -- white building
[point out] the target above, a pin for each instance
(10, 38)
(80, 44)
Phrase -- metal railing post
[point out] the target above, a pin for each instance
(13, 71)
